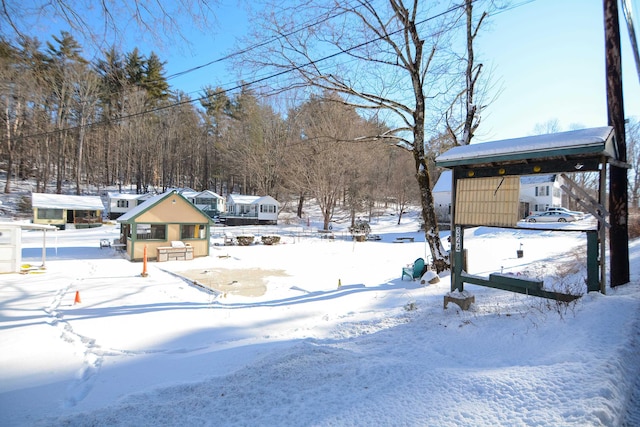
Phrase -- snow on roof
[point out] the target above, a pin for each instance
(27, 226)
(444, 182)
(189, 194)
(209, 193)
(242, 199)
(65, 201)
(127, 196)
(181, 190)
(538, 144)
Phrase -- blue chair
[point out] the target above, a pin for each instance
(414, 271)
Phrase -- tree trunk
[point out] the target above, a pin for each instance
(432, 234)
(7, 183)
(79, 154)
(300, 205)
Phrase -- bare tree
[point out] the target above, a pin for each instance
(550, 126)
(469, 120)
(322, 159)
(215, 102)
(85, 93)
(401, 184)
(14, 104)
(389, 56)
(108, 22)
(265, 159)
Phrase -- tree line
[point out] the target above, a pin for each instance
(116, 121)
(375, 76)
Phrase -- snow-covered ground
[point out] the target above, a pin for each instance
(336, 338)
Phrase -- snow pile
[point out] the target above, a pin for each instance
(337, 338)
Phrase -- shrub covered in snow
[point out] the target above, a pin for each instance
(245, 240)
(270, 240)
(360, 229)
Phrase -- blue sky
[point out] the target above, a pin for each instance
(549, 58)
(546, 56)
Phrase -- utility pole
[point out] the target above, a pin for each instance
(618, 197)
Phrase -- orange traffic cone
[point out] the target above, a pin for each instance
(144, 262)
(77, 300)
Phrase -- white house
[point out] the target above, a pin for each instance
(537, 193)
(442, 196)
(207, 201)
(248, 210)
(121, 203)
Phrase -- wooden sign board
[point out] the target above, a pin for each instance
(492, 201)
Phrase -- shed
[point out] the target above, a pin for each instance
(164, 221)
(63, 209)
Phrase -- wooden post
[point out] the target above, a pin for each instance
(456, 235)
(144, 262)
(618, 197)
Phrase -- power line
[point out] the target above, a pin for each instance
(258, 80)
(257, 45)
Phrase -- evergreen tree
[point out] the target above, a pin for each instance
(153, 80)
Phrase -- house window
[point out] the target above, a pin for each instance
(123, 203)
(192, 231)
(204, 201)
(542, 190)
(44, 213)
(268, 208)
(151, 231)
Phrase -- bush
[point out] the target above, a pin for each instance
(270, 240)
(360, 230)
(245, 240)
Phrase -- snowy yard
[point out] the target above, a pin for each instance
(334, 338)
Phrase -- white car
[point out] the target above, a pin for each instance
(551, 216)
(565, 210)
